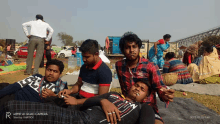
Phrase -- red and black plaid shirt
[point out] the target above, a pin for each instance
(144, 69)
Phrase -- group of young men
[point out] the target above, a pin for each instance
(85, 102)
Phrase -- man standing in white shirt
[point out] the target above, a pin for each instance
(37, 37)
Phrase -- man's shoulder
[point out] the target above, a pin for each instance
(120, 62)
(103, 67)
(37, 75)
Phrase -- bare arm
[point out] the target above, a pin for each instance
(103, 89)
(155, 46)
(76, 87)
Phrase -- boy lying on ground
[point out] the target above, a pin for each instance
(110, 107)
(34, 87)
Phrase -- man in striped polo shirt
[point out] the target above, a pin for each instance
(95, 76)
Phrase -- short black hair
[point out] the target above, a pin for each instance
(170, 55)
(145, 81)
(56, 62)
(129, 37)
(208, 48)
(102, 48)
(166, 36)
(90, 46)
(38, 16)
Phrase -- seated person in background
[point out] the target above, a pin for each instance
(156, 51)
(109, 107)
(192, 53)
(36, 87)
(95, 76)
(174, 65)
(209, 65)
(218, 49)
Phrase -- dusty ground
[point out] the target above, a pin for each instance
(212, 102)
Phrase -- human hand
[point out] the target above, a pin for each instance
(111, 111)
(29, 36)
(69, 100)
(65, 91)
(156, 52)
(168, 94)
(46, 93)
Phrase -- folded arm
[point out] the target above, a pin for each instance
(50, 29)
(25, 25)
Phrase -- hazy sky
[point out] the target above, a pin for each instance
(96, 19)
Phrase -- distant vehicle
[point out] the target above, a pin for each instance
(113, 50)
(22, 52)
(66, 52)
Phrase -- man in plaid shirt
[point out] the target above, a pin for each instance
(134, 67)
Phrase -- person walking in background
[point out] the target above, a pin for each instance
(36, 41)
(47, 51)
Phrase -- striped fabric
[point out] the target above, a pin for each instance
(177, 66)
(144, 69)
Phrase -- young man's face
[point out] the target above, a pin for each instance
(52, 73)
(131, 51)
(167, 39)
(138, 91)
(89, 59)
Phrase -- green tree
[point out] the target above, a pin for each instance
(79, 43)
(66, 39)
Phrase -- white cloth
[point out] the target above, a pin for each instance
(180, 53)
(103, 57)
(38, 28)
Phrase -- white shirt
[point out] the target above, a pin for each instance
(38, 28)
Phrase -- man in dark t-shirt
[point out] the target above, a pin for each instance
(36, 87)
(103, 109)
(95, 76)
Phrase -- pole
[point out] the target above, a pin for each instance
(148, 42)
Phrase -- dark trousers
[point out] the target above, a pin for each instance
(38, 44)
(48, 56)
(58, 115)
